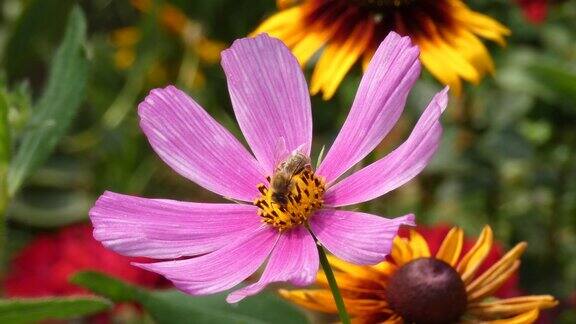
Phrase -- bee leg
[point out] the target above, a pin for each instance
(262, 188)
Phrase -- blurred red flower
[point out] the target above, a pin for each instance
(435, 235)
(534, 10)
(44, 267)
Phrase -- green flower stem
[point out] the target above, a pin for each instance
(333, 286)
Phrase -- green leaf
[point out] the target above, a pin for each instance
(171, 306)
(557, 79)
(36, 29)
(38, 309)
(4, 159)
(107, 286)
(4, 133)
(57, 105)
(4, 152)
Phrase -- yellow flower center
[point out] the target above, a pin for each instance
(286, 204)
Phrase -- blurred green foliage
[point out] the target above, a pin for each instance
(57, 104)
(172, 306)
(508, 156)
(37, 309)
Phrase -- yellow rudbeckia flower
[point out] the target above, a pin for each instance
(413, 286)
(447, 31)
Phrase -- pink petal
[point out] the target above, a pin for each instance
(269, 95)
(398, 167)
(294, 259)
(162, 229)
(378, 105)
(221, 269)
(197, 146)
(357, 237)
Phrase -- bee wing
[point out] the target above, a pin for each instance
(299, 150)
(281, 152)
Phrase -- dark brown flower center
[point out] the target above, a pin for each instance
(381, 4)
(415, 18)
(427, 290)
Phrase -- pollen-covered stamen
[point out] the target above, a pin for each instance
(303, 196)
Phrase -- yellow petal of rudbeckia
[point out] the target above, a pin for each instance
(447, 31)
(413, 286)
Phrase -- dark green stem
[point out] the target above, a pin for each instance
(333, 286)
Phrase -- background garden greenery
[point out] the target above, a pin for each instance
(72, 73)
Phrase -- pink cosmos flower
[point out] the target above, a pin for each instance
(211, 247)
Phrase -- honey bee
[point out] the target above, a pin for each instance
(281, 182)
